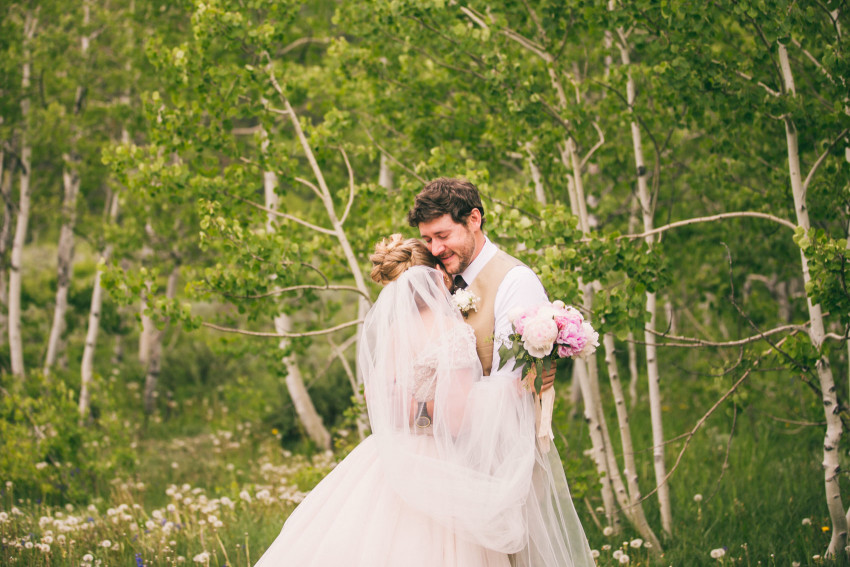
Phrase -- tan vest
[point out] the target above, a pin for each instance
(483, 321)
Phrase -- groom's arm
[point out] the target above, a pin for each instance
(521, 288)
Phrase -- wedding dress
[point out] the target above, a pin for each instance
(451, 475)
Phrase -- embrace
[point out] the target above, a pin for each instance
(452, 475)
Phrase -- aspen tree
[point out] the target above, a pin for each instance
(16, 347)
(71, 188)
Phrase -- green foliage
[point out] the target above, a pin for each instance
(45, 450)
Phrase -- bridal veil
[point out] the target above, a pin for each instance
(457, 446)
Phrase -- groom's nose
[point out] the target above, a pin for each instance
(436, 248)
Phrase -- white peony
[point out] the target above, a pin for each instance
(539, 335)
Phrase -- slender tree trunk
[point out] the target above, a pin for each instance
(635, 507)
(87, 365)
(831, 407)
(307, 414)
(539, 190)
(386, 179)
(304, 408)
(16, 346)
(587, 370)
(71, 186)
(597, 442)
(147, 330)
(634, 375)
(649, 338)
(64, 266)
(5, 241)
(155, 352)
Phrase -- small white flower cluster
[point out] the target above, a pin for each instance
(465, 300)
(718, 553)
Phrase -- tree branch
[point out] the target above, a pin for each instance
(393, 159)
(283, 335)
(595, 146)
(711, 218)
(282, 215)
(282, 290)
(350, 187)
(820, 160)
(302, 41)
(696, 342)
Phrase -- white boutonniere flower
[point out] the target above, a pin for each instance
(465, 300)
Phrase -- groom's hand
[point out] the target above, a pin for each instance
(548, 378)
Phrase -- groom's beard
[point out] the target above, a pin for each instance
(460, 257)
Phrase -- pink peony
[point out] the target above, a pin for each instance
(591, 340)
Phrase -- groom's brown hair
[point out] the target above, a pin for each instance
(446, 196)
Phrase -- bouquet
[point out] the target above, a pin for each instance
(543, 334)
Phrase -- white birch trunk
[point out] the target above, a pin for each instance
(64, 265)
(87, 365)
(147, 331)
(304, 408)
(539, 190)
(635, 507)
(155, 350)
(587, 371)
(831, 407)
(634, 375)
(598, 449)
(16, 346)
(386, 179)
(649, 338)
(71, 186)
(5, 237)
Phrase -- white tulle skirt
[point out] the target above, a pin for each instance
(354, 518)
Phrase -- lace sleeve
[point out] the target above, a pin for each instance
(454, 350)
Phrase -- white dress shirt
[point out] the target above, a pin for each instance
(521, 288)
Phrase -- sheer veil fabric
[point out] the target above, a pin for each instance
(468, 489)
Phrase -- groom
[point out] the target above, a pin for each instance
(450, 218)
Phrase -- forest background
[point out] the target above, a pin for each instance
(191, 191)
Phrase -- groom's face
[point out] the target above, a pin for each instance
(453, 243)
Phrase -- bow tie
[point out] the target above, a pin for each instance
(460, 283)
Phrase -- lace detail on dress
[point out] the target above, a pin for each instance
(455, 349)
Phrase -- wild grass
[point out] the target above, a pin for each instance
(203, 487)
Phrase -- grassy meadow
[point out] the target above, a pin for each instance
(203, 486)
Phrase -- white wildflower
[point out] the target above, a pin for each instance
(202, 557)
(40, 466)
(618, 553)
(624, 559)
(697, 498)
(807, 521)
(718, 553)
(245, 496)
(594, 553)
(636, 543)
(88, 558)
(607, 531)
(106, 543)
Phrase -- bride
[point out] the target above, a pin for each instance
(451, 475)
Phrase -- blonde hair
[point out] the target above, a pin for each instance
(394, 255)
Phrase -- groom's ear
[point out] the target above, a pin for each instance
(473, 221)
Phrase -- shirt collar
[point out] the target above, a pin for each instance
(487, 252)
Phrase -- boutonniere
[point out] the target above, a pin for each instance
(465, 300)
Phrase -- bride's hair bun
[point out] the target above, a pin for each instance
(394, 255)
